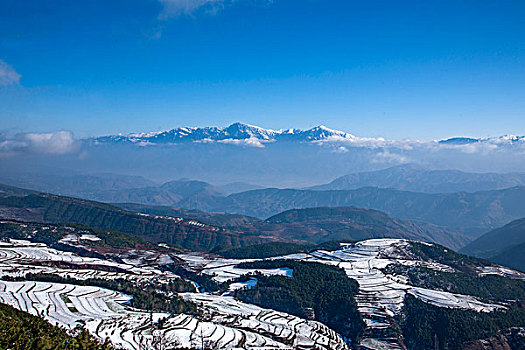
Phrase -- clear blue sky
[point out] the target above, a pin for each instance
(397, 69)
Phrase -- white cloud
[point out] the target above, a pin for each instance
(174, 8)
(387, 157)
(8, 76)
(60, 142)
(251, 142)
(470, 148)
(340, 149)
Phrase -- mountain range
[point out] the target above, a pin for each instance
(207, 231)
(237, 132)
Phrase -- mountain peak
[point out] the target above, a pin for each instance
(233, 133)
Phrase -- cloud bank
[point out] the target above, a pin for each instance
(60, 142)
(8, 76)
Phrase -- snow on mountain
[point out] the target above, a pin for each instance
(237, 133)
(254, 136)
(499, 140)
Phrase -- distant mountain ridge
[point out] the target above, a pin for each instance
(234, 132)
(471, 214)
(497, 240)
(250, 133)
(30, 206)
(418, 179)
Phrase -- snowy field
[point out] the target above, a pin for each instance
(19, 257)
(63, 304)
(225, 323)
(380, 295)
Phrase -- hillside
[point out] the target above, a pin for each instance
(504, 245)
(217, 219)
(495, 241)
(317, 225)
(39, 207)
(512, 257)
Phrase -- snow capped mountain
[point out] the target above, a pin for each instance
(253, 136)
(458, 141)
(234, 133)
(500, 140)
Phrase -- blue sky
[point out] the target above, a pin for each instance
(397, 69)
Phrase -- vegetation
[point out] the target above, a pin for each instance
(22, 331)
(489, 287)
(264, 250)
(205, 282)
(268, 250)
(156, 298)
(316, 291)
(51, 233)
(426, 326)
(512, 257)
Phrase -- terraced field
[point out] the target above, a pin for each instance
(62, 304)
(227, 324)
(223, 323)
(18, 257)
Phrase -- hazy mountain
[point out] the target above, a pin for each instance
(237, 187)
(468, 213)
(506, 139)
(313, 225)
(418, 179)
(79, 185)
(504, 245)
